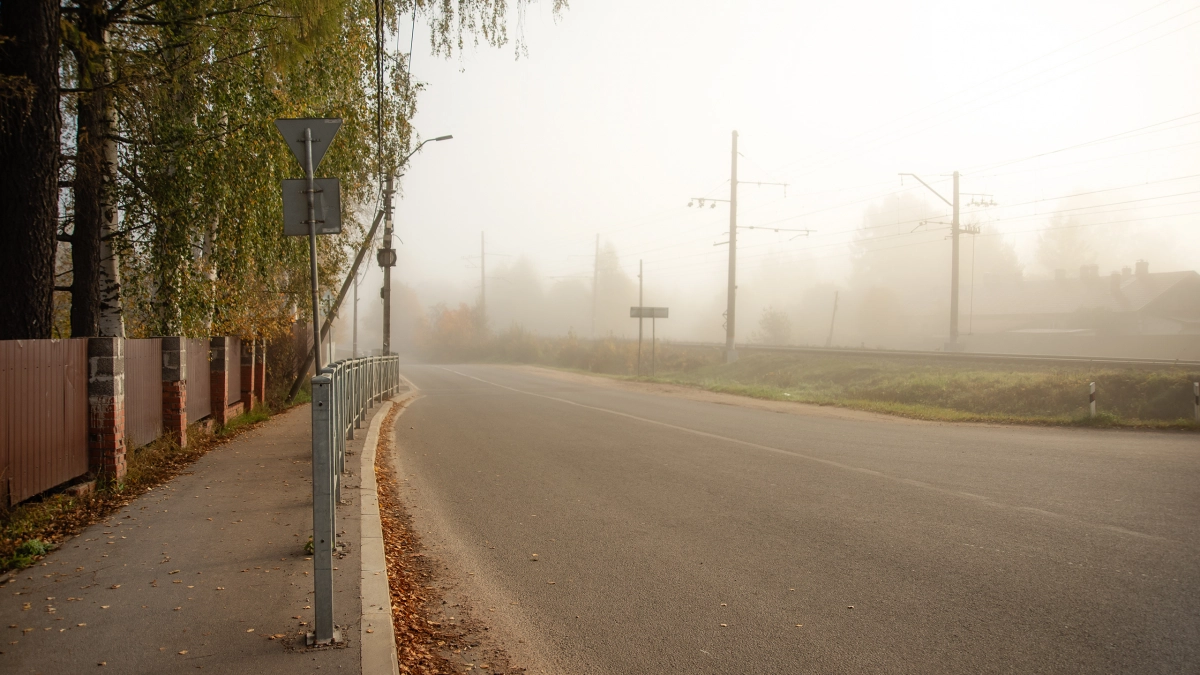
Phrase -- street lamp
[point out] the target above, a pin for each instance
(386, 256)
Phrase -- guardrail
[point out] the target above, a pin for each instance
(341, 395)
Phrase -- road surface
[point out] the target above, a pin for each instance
(703, 534)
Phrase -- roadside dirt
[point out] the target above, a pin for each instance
(435, 634)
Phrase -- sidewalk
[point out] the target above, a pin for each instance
(206, 572)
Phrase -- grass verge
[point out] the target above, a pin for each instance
(30, 530)
(1021, 393)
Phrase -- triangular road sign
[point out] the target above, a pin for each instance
(323, 131)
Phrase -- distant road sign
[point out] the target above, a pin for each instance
(328, 206)
(323, 131)
(647, 312)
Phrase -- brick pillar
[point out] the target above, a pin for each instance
(250, 393)
(260, 370)
(218, 377)
(174, 389)
(106, 407)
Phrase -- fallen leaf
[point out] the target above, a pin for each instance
(370, 630)
(249, 630)
(114, 586)
(105, 606)
(183, 651)
(724, 625)
(81, 625)
(102, 663)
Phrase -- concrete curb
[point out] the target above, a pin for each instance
(376, 636)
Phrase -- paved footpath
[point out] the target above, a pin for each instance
(206, 572)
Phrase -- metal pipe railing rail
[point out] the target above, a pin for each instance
(342, 393)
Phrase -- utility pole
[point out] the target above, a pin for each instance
(955, 231)
(832, 318)
(595, 282)
(354, 332)
(387, 260)
(483, 280)
(954, 236)
(640, 304)
(731, 292)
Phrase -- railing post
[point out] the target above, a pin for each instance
(335, 394)
(323, 514)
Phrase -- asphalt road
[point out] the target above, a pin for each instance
(686, 535)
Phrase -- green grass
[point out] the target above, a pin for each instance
(260, 413)
(959, 391)
(923, 388)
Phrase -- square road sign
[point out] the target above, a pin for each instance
(328, 206)
(647, 312)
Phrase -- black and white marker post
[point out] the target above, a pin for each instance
(312, 206)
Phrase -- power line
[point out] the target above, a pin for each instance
(979, 84)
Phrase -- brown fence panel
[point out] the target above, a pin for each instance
(43, 415)
(233, 369)
(143, 391)
(199, 405)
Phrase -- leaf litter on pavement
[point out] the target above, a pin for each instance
(426, 644)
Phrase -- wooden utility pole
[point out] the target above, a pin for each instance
(832, 318)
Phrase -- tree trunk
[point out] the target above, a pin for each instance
(85, 241)
(111, 320)
(95, 293)
(29, 137)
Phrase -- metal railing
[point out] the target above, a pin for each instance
(341, 395)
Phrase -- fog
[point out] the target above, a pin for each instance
(1075, 126)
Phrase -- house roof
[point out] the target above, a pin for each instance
(1124, 293)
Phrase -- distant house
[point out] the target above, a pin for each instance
(1134, 313)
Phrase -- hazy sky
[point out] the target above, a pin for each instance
(622, 111)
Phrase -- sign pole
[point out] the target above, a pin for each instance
(653, 342)
(323, 632)
(312, 245)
